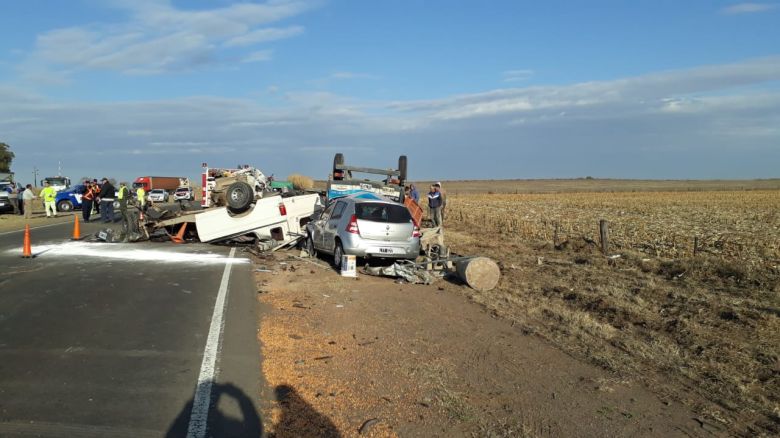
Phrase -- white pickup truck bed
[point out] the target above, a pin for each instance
(274, 217)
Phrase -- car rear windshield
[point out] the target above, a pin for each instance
(376, 212)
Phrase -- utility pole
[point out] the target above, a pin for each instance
(59, 168)
(35, 176)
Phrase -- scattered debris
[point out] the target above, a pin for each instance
(404, 269)
(323, 358)
(368, 424)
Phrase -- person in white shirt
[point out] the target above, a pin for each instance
(27, 199)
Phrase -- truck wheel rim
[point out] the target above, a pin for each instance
(236, 196)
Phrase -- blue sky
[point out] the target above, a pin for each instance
(500, 89)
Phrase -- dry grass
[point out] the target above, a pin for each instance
(593, 185)
(742, 226)
(709, 324)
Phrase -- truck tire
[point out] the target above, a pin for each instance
(402, 168)
(338, 160)
(239, 196)
(65, 205)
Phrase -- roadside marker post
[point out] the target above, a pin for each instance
(27, 247)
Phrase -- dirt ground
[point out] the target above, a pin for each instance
(372, 357)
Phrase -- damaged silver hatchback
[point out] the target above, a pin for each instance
(364, 225)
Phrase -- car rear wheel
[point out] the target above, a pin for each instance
(338, 254)
(65, 206)
(239, 196)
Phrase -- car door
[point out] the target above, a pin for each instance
(331, 227)
(320, 225)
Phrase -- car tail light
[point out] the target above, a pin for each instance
(352, 226)
(282, 209)
(416, 232)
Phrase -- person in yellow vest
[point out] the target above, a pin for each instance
(49, 194)
(140, 194)
(123, 195)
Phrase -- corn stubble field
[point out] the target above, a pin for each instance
(702, 327)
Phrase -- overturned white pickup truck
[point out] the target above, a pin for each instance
(274, 220)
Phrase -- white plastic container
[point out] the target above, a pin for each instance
(348, 266)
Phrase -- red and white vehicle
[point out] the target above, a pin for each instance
(167, 183)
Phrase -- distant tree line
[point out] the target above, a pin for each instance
(6, 157)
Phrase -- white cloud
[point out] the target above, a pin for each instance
(710, 121)
(158, 37)
(258, 56)
(342, 75)
(263, 36)
(627, 92)
(748, 8)
(517, 75)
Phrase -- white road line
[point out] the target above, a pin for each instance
(208, 368)
(35, 228)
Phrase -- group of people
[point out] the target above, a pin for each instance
(99, 198)
(437, 201)
(21, 200)
(96, 198)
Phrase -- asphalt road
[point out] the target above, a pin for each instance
(104, 339)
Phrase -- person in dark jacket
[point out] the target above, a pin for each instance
(107, 195)
(434, 206)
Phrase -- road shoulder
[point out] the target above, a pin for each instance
(409, 360)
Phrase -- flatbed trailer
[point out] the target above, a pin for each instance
(342, 183)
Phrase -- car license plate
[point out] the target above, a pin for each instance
(2, 204)
(386, 250)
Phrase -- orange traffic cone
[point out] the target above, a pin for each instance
(76, 228)
(27, 248)
(179, 237)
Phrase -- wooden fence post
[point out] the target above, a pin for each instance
(604, 236)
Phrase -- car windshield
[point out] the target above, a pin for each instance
(380, 212)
